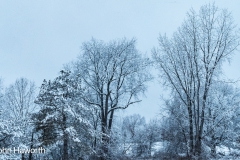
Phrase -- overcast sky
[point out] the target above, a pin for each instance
(38, 37)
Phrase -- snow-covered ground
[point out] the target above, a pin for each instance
(158, 146)
(223, 150)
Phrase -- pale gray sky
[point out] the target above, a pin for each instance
(38, 37)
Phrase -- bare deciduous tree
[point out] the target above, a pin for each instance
(192, 59)
(19, 101)
(20, 98)
(113, 74)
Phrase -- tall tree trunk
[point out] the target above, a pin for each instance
(30, 154)
(104, 139)
(213, 146)
(200, 131)
(65, 139)
(190, 128)
(23, 156)
(110, 120)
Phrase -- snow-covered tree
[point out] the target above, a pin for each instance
(221, 113)
(132, 138)
(113, 74)
(16, 114)
(174, 129)
(19, 98)
(152, 134)
(62, 119)
(220, 127)
(191, 61)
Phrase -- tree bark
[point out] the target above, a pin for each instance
(190, 129)
(65, 139)
(30, 154)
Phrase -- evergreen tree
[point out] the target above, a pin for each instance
(62, 119)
